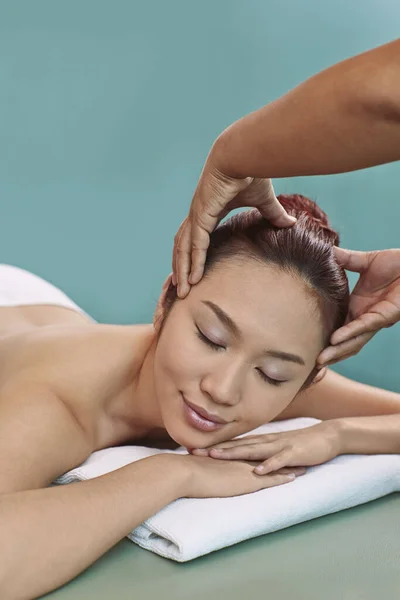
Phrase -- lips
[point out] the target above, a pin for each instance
(203, 413)
(195, 416)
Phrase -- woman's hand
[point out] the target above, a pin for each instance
(374, 302)
(215, 196)
(208, 478)
(298, 448)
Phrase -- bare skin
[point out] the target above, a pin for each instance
(69, 387)
(64, 351)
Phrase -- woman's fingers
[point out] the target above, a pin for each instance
(298, 471)
(276, 462)
(244, 452)
(248, 439)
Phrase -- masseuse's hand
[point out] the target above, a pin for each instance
(298, 448)
(215, 196)
(374, 302)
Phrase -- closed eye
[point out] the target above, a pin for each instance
(218, 347)
(270, 380)
(207, 340)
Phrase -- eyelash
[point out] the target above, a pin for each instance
(207, 341)
(217, 348)
(265, 377)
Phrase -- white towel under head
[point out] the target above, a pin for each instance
(189, 528)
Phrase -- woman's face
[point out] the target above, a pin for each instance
(237, 349)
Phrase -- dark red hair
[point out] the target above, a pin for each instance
(306, 250)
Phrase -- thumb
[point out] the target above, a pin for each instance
(269, 205)
(352, 260)
(274, 212)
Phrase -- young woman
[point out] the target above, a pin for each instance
(240, 350)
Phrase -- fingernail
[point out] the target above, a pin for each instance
(173, 280)
(291, 476)
(216, 450)
(200, 450)
(260, 469)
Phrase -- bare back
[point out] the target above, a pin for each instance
(61, 375)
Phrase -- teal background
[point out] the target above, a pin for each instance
(108, 110)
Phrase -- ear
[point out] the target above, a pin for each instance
(320, 375)
(159, 313)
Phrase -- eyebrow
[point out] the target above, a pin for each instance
(226, 320)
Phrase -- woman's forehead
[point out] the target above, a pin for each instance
(264, 302)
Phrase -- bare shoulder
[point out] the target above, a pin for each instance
(40, 437)
(55, 386)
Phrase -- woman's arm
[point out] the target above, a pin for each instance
(50, 535)
(346, 117)
(336, 396)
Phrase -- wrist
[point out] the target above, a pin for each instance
(219, 158)
(338, 435)
(177, 469)
(369, 435)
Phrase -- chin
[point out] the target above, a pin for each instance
(189, 439)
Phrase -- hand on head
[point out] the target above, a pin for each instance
(215, 196)
(374, 302)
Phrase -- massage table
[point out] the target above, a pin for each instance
(350, 555)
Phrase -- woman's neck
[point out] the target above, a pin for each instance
(137, 405)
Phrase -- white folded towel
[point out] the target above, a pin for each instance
(189, 528)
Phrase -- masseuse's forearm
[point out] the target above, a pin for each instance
(347, 117)
(369, 435)
(50, 535)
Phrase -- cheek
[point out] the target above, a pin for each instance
(177, 354)
(260, 407)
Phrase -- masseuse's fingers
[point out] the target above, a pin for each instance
(181, 258)
(201, 229)
(215, 196)
(268, 204)
(375, 300)
(344, 350)
(353, 260)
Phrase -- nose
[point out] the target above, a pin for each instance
(223, 383)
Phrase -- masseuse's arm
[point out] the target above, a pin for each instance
(345, 118)
(336, 397)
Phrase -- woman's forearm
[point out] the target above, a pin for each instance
(369, 435)
(336, 396)
(49, 536)
(346, 117)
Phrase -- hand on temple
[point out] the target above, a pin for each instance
(215, 196)
(374, 302)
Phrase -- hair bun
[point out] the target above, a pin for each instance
(310, 214)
